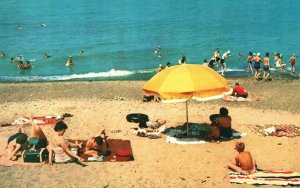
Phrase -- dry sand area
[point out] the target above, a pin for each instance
(95, 105)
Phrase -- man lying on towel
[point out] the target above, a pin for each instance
(244, 163)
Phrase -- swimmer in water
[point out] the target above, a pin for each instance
(81, 53)
(69, 62)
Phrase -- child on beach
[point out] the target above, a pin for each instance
(244, 163)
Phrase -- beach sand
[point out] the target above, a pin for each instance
(97, 105)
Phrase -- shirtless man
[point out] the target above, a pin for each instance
(266, 67)
(244, 163)
(96, 146)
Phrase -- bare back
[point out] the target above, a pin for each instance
(244, 160)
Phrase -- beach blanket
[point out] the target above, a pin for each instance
(269, 177)
(276, 130)
(172, 139)
(114, 146)
(43, 120)
(238, 99)
(3, 156)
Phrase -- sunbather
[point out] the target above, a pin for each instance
(19, 141)
(244, 163)
(152, 126)
(96, 146)
(61, 147)
(223, 122)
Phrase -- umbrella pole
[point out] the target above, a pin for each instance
(187, 118)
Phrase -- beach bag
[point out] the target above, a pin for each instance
(35, 156)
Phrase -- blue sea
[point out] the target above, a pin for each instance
(119, 38)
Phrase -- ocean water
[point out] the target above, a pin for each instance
(119, 37)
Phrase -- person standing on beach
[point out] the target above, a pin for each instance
(249, 60)
(257, 61)
(293, 62)
(266, 67)
(215, 59)
(182, 60)
(69, 62)
(223, 63)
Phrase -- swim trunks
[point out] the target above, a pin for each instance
(257, 65)
(266, 68)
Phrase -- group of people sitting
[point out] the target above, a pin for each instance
(59, 148)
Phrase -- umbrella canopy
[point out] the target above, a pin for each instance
(187, 81)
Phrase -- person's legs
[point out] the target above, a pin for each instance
(36, 132)
(237, 169)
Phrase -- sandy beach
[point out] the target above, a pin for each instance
(97, 105)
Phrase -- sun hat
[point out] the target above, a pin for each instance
(258, 54)
(160, 65)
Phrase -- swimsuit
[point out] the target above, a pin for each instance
(257, 65)
(60, 155)
(266, 68)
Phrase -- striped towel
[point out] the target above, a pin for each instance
(267, 177)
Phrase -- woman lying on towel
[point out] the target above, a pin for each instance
(18, 142)
(61, 147)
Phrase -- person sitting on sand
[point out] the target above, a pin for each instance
(239, 91)
(224, 123)
(19, 141)
(96, 146)
(244, 163)
(215, 130)
(60, 147)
